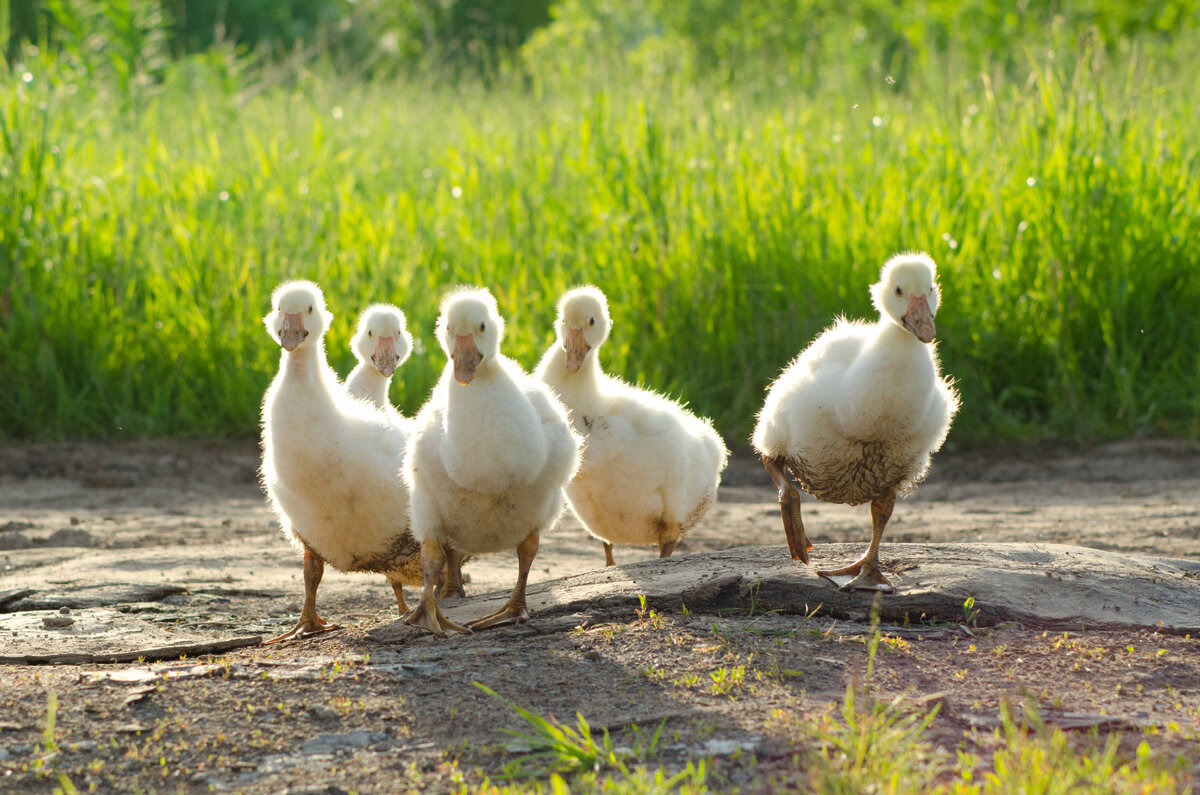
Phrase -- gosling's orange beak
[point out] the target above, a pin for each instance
(466, 358)
(292, 332)
(384, 357)
(576, 347)
(918, 319)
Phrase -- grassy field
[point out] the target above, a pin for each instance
(146, 223)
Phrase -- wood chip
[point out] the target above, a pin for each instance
(130, 728)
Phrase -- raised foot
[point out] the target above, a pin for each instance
(858, 577)
(428, 616)
(304, 629)
(510, 612)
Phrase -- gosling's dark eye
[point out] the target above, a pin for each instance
(370, 333)
(592, 322)
(482, 326)
(310, 309)
(899, 291)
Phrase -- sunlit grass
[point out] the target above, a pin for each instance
(866, 744)
(567, 759)
(143, 237)
(876, 745)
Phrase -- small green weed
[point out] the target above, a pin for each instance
(566, 749)
(726, 680)
(48, 751)
(592, 763)
(645, 613)
(970, 611)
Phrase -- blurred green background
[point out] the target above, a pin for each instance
(732, 174)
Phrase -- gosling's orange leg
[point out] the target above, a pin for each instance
(453, 584)
(608, 556)
(668, 537)
(789, 508)
(399, 597)
(867, 575)
(514, 609)
(427, 615)
(310, 623)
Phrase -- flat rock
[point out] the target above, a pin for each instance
(329, 743)
(13, 594)
(1050, 586)
(70, 537)
(10, 541)
(100, 635)
(83, 596)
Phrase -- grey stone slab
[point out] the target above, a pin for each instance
(1051, 586)
(330, 742)
(84, 596)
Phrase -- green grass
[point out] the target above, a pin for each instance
(48, 751)
(589, 762)
(869, 745)
(882, 747)
(145, 228)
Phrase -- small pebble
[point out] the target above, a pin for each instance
(321, 712)
(57, 622)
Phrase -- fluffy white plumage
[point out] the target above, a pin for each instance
(381, 344)
(490, 457)
(857, 415)
(650, 467)
(864, 406)
(492, 452)
(331, 463)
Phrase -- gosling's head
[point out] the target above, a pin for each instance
(470, 329)
(907, 293)
(382, 338)
(583, 323)
(298, 316)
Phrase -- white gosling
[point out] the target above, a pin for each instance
(331, 463)
(492, 452)
(857, 415)
(381, 344)
(650, 468)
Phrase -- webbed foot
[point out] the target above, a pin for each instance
(428, 616)
(512, 611)
(305, 628)
(514, 608)
(861, 575)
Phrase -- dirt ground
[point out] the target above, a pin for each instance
(183, 529)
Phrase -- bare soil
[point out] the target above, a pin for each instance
(138, 546)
